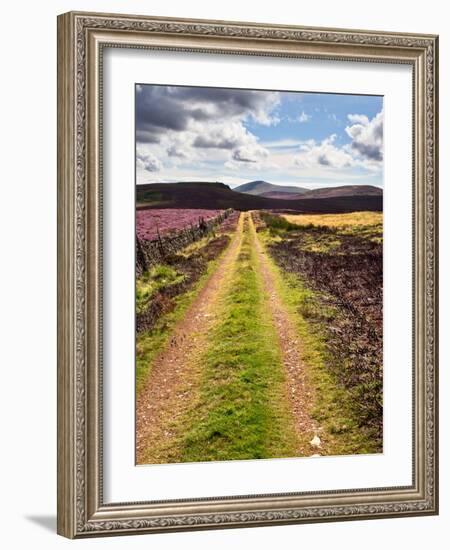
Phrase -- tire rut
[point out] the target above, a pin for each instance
(299, 391)
(170, 388)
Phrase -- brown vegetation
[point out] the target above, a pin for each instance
(347, 273)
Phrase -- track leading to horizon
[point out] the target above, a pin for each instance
(231, 383)
(170, 387)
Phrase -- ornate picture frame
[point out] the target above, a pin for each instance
(82, 37)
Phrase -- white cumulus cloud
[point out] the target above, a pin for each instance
(148, 162)
(358, 119)
(253, 152)
(367, 136)
(325, 154)
(179, 126)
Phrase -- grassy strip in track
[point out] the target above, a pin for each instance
(241, 410)
(150, 343)
(332, 407)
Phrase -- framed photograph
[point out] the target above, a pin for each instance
(247, 288)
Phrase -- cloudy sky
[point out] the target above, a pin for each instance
(235, 136)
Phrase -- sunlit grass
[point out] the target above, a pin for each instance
(336, 220)
(365, 225)
(242, 412)
(194, 247)
(157, 277)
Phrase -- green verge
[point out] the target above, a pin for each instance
(150, 343)
(332, 407)
(157, 277)
(241, 410)
(372, 233)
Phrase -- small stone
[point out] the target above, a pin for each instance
(315, 441)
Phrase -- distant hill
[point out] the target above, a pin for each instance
(281, 195)
(343, 191)
(329, 192)
(261, 187)
(216, 195)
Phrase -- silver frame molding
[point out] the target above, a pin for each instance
(81, 39)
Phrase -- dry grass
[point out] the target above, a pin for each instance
(336, 220)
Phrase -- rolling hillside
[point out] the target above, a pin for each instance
(261, 187)
(328, 192)
(214, 195)
(342, 191)
(281, 195)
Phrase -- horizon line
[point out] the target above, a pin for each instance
(294, 185)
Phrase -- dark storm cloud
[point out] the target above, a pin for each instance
(157, 109)
(214, 141)
(147, 136)
(368, 150)
(229, 102)
(170, 108)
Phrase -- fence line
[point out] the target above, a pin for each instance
(152, 252)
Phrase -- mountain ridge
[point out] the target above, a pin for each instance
(220, 196)
(258, 187)
(343, 191)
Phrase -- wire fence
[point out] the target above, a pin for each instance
(152, 252)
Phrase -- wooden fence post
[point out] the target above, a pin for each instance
(160, 243)
(141, 260)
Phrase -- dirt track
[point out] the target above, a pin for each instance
(171, 384)
(299, 391)
(171, 387)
